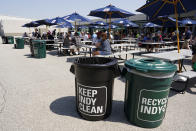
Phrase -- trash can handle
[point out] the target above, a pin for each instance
(72, 69)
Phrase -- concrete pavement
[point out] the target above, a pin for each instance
(39, 95)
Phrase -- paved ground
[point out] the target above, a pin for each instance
(39, 95)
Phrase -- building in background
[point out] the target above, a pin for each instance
(12, 25)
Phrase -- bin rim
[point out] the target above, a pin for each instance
(145, 65)
(109, 64)
(148, 75)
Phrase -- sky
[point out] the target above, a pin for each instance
(40, 9)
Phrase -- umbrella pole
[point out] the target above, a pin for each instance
(46, 28)
(110, 26)
(177, 31)
(29, 31)
(75, 27)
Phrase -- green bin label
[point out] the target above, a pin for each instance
(92, 101)
(152, 105)
(36, 51)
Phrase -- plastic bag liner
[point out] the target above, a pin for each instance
(97, 62)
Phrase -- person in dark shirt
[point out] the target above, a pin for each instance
(54, 33)
(50, 36)
(68, 44)
(25, 34)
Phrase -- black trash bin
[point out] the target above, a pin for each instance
(94, 78)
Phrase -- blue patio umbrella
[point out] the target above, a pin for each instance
(98, 26)
(111, 26)
(74, 17)
(165, 21)
(188, 22)
(65, 25)
(83, 27)
(101, 23)
(46, 22)
(31, 24)
(58, 21)
(110, 11)
(125, 22)
(131, 25)
(151, 25)
(155, 8)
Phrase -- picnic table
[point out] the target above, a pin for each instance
(153, 44)
(87, 42)
(90, 47)
(115, 41)
(171, 56)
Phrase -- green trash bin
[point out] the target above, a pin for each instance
(39, 48)
(10, 39)
(146, 91)
(19, 43)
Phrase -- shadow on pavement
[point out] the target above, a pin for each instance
(52, 52)
(66, 106)
(192, 86)
(28, 56)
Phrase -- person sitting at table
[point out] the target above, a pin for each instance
(36, 34)
(49, 35)
(68, 44)
(173, 36)
(61, 36)
(54, 33)
(25, 34)
(147, 38)
(103, 47)
(98, 38)
(85, 37)
(76, 41)
(44, 36)
(156, 38)
(187, 37)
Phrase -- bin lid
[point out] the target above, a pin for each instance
(150, 65)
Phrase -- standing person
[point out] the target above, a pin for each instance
(187, 37)
(103, 47)
(54, 33)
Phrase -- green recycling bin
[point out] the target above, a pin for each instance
(10, 39)
(146, 91)
(39, 48)
(20, 43)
